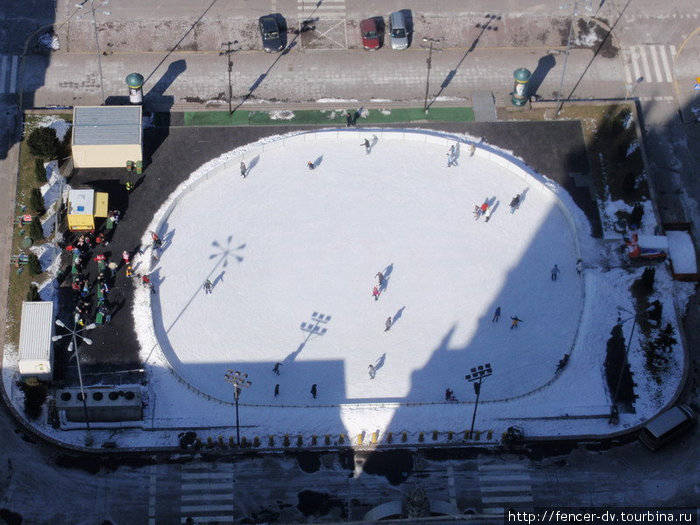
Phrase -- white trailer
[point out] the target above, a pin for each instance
(35, 346)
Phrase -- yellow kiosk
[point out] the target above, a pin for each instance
(84, 206)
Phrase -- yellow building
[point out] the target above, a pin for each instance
(84, 206)
(106, 136)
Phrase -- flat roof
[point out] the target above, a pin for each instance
(101, 125)
(35, 330)
(81, 202)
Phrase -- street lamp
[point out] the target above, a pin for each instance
(230, 48)
(477, 375)
(431, 41)
(239, 381)
(614, 411)
(73, 345)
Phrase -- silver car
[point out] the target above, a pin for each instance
(398, 30)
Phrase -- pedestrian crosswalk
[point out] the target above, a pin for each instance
(649, 63)
(9, 71)
(320, 9)
(505, 486)
(206, 493)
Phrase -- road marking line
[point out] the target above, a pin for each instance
(507, 499)
(3, 73)
(208, 496)
(188, 509)
(13, 74)
(512, 466)
(664, 63)
(655, 62)
(672, 50)
(152, 495)
(645, 65)
(513, 477)
(218, 520)
(451, 483)
(507, 488)
(207, 475)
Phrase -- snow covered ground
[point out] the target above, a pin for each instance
(292, 254)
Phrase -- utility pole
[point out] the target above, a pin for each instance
(431, 41)
(231, 47)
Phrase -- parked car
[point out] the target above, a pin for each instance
(398, 30)
(667, 426)
(273, 36)
(371, 34)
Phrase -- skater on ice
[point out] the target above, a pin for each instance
(244, 170)
(314, 388)
(515, 321)
(157, 243)
(380, 278)
(310, 165)
(496, 315)
(375, 292)
(387, 324)
(277, 390)
(276, 368)
(487, 215)
(515, 203)
(366, 145)
(208, 286)
(555, 271)
(372, 371)
(579, 267)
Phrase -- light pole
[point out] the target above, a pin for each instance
(431, 41)
(477, 375)
(614, 411)
(239, 381)
(230, 48)
(73, 345)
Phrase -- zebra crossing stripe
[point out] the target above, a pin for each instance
(208, 475)
(190, 509)
(664, 63)
(208, 495)
(327, 9)
(507, 499)
(13, 74)
(216, 520)
(655, 63)
(501, 468)
(645, 65)
(512, 477)
(506, 488)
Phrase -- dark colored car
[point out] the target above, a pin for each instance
(371, 34)
(273, 37)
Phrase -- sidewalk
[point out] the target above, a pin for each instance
(186, 81)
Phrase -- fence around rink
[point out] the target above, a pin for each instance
(230, 162)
